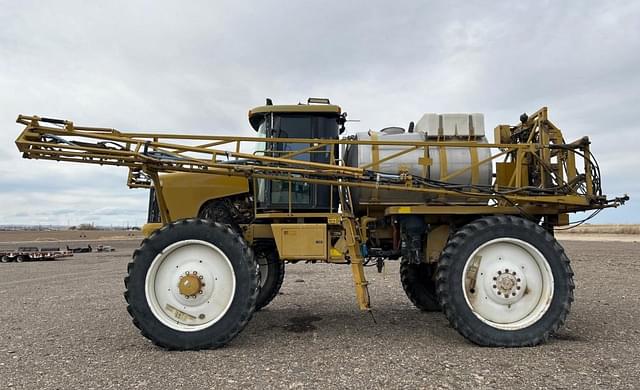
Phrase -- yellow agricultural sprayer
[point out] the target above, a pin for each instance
(472, 222)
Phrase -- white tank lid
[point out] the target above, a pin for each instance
(392, 130)
(451, 125)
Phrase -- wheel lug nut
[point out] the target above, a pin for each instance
(514, 294)
(499, 272)
(499, 293)
(517, 280)
(494, 278)
(494, 286)
(513, 273)
(517, 287)
(506, 270)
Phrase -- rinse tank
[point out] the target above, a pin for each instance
(433, 163)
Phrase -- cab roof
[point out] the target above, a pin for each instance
(256, 113)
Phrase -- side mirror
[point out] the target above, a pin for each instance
(341, 121)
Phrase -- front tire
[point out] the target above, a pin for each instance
(192, 285)
(5, 259)
(504, 281)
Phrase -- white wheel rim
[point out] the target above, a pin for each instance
(508, 283)
(205, 307)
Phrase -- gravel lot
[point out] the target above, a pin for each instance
(64, 325)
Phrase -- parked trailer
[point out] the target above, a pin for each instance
(87, 249)
(32, 253)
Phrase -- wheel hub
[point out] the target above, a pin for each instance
(507, 285)
(190, 284)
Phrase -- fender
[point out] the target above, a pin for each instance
(185, 193)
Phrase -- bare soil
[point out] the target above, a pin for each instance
(603, 229)
(600, 237)
(63, 324)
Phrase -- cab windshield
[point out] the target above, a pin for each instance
(277, 194)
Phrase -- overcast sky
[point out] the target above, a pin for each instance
(199, 66)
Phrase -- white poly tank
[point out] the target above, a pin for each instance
(423, 163)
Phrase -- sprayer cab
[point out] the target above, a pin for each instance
(317, 119)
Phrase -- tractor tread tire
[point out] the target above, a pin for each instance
(418, 284)
(449, 282)
(207, 338)
(272, 286)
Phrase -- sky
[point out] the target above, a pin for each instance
(198, 66)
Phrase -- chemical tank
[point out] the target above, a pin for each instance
(433, 163)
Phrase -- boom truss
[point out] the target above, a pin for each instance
(535, 146)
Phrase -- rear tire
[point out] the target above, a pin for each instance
(504, 281)
(271, 273)
(160, 291)
(21, 259)
(419, 285)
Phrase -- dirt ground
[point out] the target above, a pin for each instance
(598, 237)
(63, 325)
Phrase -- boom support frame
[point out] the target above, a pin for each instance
(542, 179)
(560, 188)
